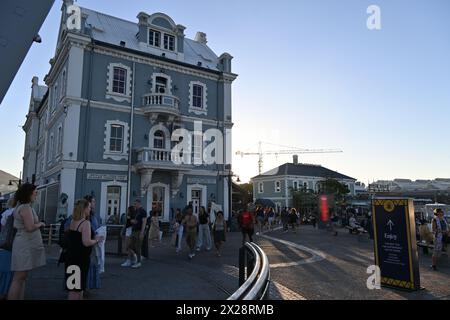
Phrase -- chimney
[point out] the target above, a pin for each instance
(201, 37)
(295, 159)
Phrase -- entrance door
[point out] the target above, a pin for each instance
(158, 196)
(196, 197)
(112, 201)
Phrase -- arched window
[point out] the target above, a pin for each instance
(159, 140)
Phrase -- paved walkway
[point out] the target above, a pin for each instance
(310, 264)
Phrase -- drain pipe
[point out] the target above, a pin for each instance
(131, 138)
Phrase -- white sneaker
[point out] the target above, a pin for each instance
(198, 249)
(136, 265)
(126, 263)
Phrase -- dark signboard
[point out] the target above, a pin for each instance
(395, 242)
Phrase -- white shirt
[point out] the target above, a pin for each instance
(5, 216)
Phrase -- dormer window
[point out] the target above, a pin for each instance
(154, 38)
(169, 42)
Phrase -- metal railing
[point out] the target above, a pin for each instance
(50, 234)
(254, 274)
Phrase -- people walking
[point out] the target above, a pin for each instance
(271, 218)
(154, 228)
(131, 255)
(293, 219)
(79, 248)
(332, 222)
(285, 219)
(247, 223)
(6, 275)
(219, 229)
(138, 225)
(190, 227)
(204, 234)
(178, 230)
(28, 250)
(440, 231)
(260, 219)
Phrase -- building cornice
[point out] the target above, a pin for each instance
(160, 62)
(70, 40)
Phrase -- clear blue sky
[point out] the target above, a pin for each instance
(310, 75)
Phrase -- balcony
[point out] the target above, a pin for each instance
(151, 158)
(160, 105)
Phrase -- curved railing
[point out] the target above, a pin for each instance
(254, 274)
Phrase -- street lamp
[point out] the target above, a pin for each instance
(17, 182)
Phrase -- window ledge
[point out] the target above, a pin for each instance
(119, 97)
(115, 156)
(198, 111)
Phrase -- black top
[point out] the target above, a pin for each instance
(140, 215)
(130, 216)
(203, 218)
(78, 255)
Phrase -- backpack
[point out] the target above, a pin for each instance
(7, 234)
(246, 219)
(62, 234)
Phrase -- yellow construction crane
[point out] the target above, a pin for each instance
(291, 150)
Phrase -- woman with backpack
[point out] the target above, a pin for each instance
(28, 250)
(6, 275)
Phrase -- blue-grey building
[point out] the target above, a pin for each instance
(276, 184)
(121, 97)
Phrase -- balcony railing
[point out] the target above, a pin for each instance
(154, 155)
(160, 103)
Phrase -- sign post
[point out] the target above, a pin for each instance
(395, 242)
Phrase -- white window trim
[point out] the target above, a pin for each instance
(119, 97)
(103, 196)
(260, 184)
(51, 146)
(165, 217)
(107, 153)
(162, 75)
(195, 110)
(63, 87)
(59, 141)
(161, 37)
(174, 41)
(203, 189)
(167, 136)
(279, 186)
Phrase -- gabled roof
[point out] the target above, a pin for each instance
(305, 170)
(113, 30)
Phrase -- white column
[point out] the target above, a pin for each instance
(73, 89)
(68, 179)
(226, 198)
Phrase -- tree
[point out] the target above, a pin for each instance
(305, 200)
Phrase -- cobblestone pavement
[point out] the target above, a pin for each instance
(310, 264)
